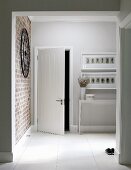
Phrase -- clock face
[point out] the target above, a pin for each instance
(25, 53)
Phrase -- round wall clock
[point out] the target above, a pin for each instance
(25, 52)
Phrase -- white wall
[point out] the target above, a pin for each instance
(5, 85)
(125, 156)
(87, 37)
(62, 5)
(125, 8)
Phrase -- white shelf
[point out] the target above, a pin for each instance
(98, 53)
(101, 88)
(97, 101)
(98, 69)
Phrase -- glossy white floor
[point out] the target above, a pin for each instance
(69, 152)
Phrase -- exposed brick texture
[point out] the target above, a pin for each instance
(23, 85)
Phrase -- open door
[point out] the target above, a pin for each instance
(51, 84)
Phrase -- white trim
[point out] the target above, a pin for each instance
(98, 53)
(100, 73)
(117, 155)
(74, 128)
(6, 157)
(125, 22)
(32, 83)
(118, 95)
(98, 69)
(33, 128)
(71, 16)
(19, 147)
(13, 54)
(98, 128)
(35, 85)
(22, 140)
(102, 129)
(35, 81)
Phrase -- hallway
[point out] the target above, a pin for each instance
(69, 152)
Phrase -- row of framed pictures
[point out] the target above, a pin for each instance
(101, 60)
(100, 69)
(100, 80)
(98, 60)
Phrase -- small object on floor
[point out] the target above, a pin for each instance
(110, 151)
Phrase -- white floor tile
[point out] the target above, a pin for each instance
(36, 166)
(67, 152)
(77, 165)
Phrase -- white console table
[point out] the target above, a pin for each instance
(106, 105)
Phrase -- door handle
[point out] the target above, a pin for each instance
(60, 100)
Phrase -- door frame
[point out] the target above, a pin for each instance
(122, 26)
(35, 86)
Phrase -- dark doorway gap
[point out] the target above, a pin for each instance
(67, 89)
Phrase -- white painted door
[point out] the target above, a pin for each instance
(51, 84)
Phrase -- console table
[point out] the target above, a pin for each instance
(97, 107)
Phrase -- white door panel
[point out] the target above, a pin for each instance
(51, 81)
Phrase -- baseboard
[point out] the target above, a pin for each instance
(33, 128)
(123, 161)
(6, 157)
(24, 137)
(98, 129)
(73, 128)
(19, 147)
(117, 155)
(102, 129)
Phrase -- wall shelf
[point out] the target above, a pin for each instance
(101, 88)
(98, 70)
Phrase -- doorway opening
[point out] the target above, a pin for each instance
(67, 87)
(68, 125)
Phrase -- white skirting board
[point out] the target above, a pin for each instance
(6, 157)
(102, 129)
(19, 147)
(33, 128)
(117, 155)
